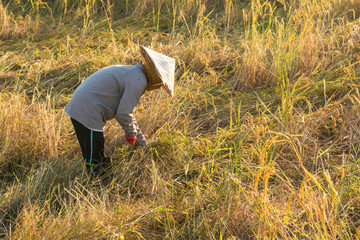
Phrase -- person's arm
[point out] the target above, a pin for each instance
(128, 102)
(140, 138)
(127, 121)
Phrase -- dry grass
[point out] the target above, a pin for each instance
(13, 26)
(261, 140)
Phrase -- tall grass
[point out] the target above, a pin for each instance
(31, 131)
(13, 26)
(261, 140)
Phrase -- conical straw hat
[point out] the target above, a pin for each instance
(160, 67)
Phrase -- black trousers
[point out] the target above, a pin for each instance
(92, 147)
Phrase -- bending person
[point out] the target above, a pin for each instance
(114, 92)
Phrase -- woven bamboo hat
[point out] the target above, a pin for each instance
(159, 70)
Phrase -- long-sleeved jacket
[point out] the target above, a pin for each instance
(111, 92)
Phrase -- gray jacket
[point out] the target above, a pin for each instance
(111, 92)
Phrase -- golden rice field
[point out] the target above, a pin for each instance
(260, 141)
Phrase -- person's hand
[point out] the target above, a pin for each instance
(141, 143)
(130, 139)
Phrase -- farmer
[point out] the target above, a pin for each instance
(114, 92)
